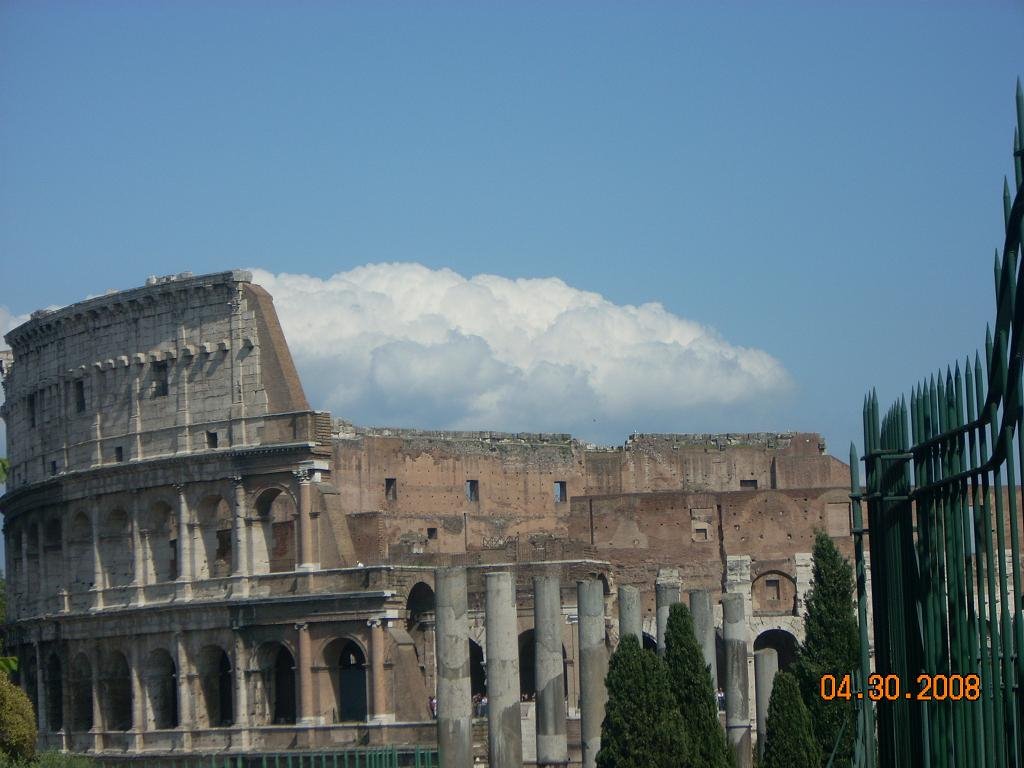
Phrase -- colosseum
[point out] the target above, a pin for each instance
(200, 562)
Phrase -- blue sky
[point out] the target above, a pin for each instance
(811, 191)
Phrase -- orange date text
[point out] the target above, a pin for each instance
(939, 687)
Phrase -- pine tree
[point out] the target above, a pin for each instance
(642, 726)
(831, 646)
(789, 741)
(691, 684)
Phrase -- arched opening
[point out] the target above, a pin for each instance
(528, 665)
(347, 664)
(161, 684)
(81, 693)
(30, 679)
(273, 540)
(277, 677)
(783, 642)
(116, 549)
(32, 554)
(160, 540)
(773, 592)
(650, 642)
(54, 693)
(116, 693)
(477, 674)
(213, 538)
(420, 605)
(53, 548)
(80, 554)
(216, 686)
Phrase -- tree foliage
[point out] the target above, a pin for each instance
(642, 726)
(789, 741)
(17, 722)
(691, 684)
(831, 646)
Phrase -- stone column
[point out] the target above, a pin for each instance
(666, 594)
(40, 690)
(138, 559)
(454, 698)
(139, 723)
(241, 710)
(306, 553)
(304, 662)
(704, 629)
(766, 664)
(26, 587)
(240, 533)
(184, 538)
(186, 702)
(552, 748)
(630, 617)
(737, 707)
(97, 709)
(44, 587)
(97, 561)
(380, 709)
(504, 730)
(593, 666)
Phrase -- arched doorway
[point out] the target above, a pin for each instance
(650, 643)
(160, 540)
(116, 693)
(277, 678)
(81, 693)
(347, 664)
(54, 693)
(80, 556)
(216, 686)
(161, 681)
(528, 665)
(213, 534)
(783, 642)
(419, 605)
(116, 549)
(273, 539)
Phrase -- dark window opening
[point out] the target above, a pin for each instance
(211, 439)
(172, 560)
(773, 588)
(473, 490)
(431, 533)
(561, 492)
(53, 467)
(748, 483)
(160, 382)
(391, 488)
(119, 453)
(79, 396)
(224, 546)
(31, 410)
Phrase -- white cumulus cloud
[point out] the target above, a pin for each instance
(405, 345)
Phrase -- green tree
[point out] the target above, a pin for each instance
(831, 646)
(691, 683)
(642, 726)
(17, 722)
(789, 741)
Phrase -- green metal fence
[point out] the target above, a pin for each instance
(362, 757)
(945, 525)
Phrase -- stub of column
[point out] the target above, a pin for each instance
(630, 616)
(306, 554)
(454, 697)
(593, 667)
(766, 664)
(240, 533)
(304, 662)
(552, 748)
(704, 629)
(666, 595)
(504, 730)
(184, 538)
(737, 707)
(380, 707)
(138, 552)
(186, 703)
(241, 689)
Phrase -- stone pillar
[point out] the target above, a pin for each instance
(380, 705)
(666, 594)
(766, 664)
(97, 561)
(186, 701)
(505, 737)
(139, 723)
(593, 667)
(306, 554)
(241, 711)
(737, 707)
(552, 748)
(240, 565)
(26, 587)
(40, 690)
(454, 697)
(630, 617)
(184, 538)
(704, 629)
(44, 587)
(304, 663)
(138, 559)
(97, 709)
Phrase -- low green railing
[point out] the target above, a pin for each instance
(362, 757)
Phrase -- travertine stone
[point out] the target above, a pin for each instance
(548, 666)
(505, 738)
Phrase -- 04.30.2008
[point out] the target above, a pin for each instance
(940, 687)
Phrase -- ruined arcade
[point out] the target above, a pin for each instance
(198, 561)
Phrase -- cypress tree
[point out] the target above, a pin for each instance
(831, 646)
(17, 722)
(642, 726)
(691, 684)
(789, 742)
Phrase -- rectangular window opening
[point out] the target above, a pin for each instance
(773, 588)
(391, 488)
(53, 467)
(79, 396)
(119, 453)
(160, 381)
(561, 492)
(31, 410)
(431, 533)
(752, 484)
(473, 490)
(211, 439)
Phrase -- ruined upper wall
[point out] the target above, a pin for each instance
(185, 363)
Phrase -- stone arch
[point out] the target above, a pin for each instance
(116, 692)
(773, 592)
(528, 665)
(782, 641)
(213, 536)
(279, 684)
(81, 693)
(346, 661)
(116, 548)
(419, 605)
(477, 674)
(273, 538)
(160, 679)
(160, 542)
(80, 553)
(650, 642)
(216, 687)
(54, 680)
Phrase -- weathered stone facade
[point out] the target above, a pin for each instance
(199, 561)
